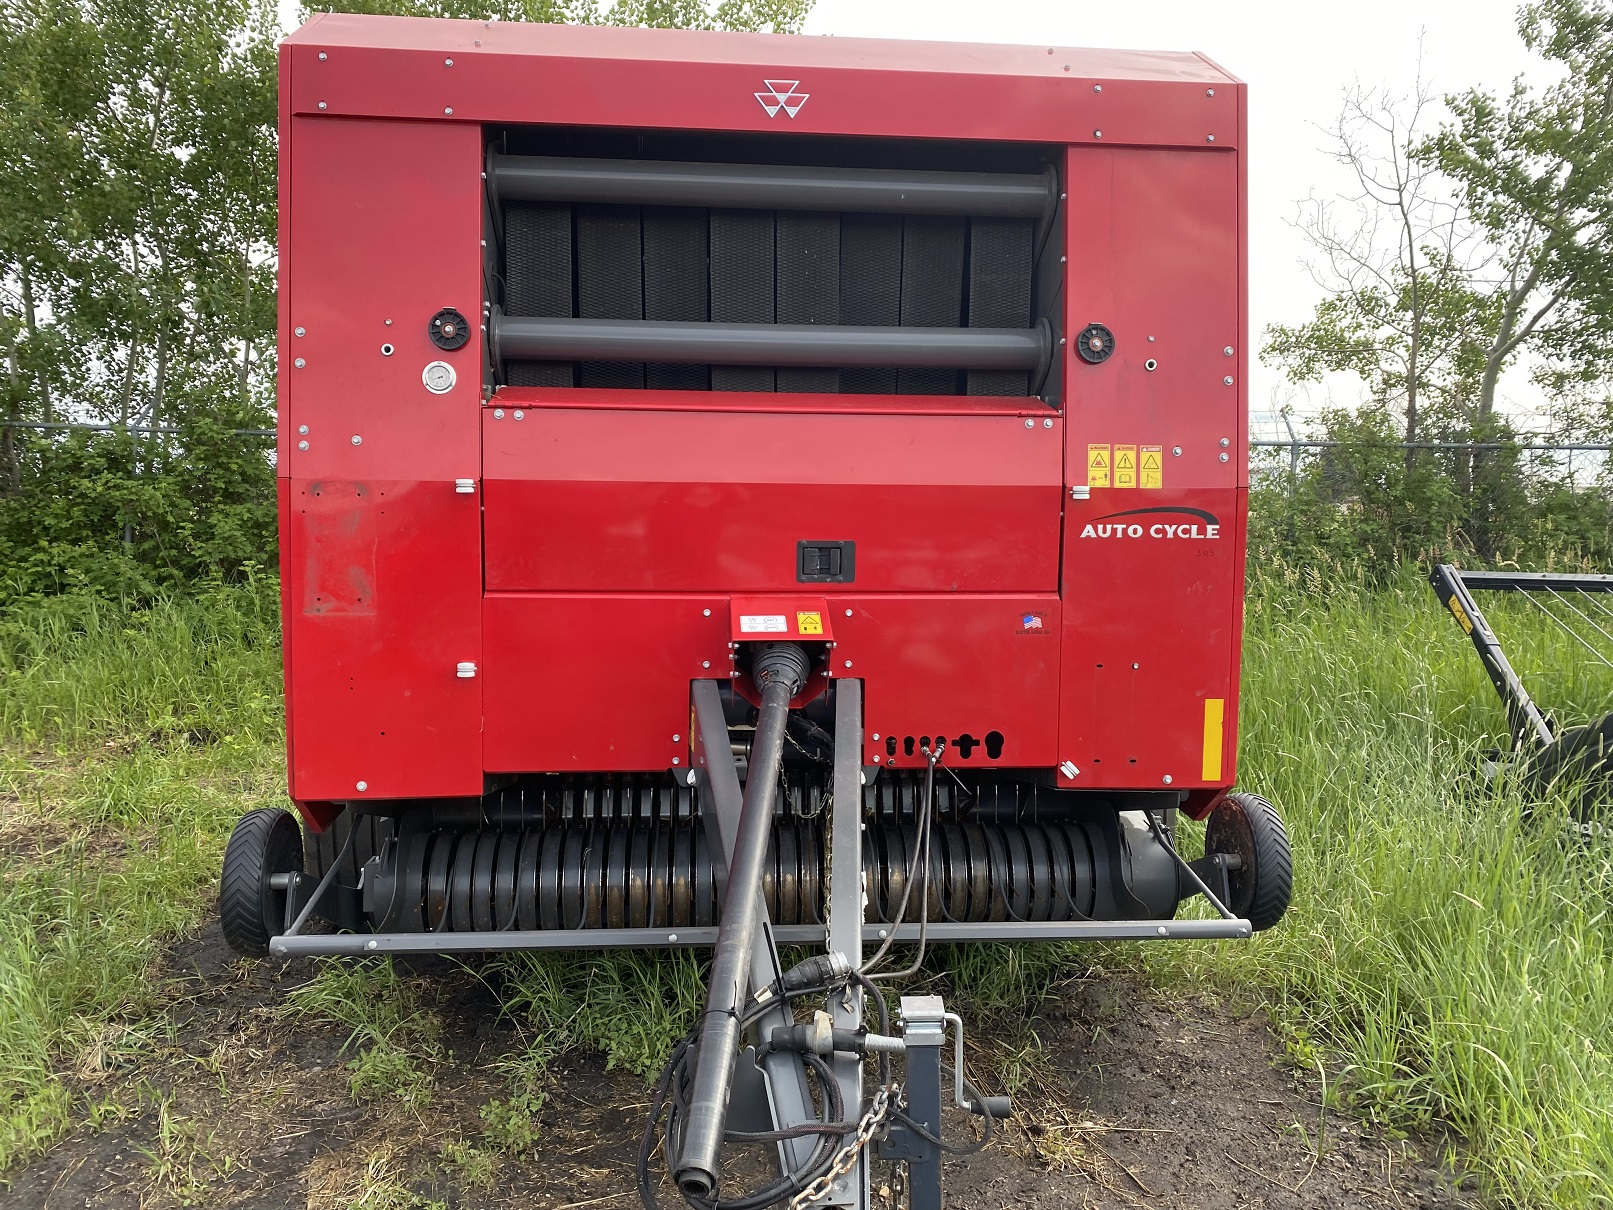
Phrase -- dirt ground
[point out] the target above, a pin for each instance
(1134, 1104)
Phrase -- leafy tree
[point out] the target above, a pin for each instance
(1535, 170)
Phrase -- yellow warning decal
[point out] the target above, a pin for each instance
(1461, 615)
(1097, 466)
(809, 623)
(1150, 467)
(1215, 710)
(1125, 466)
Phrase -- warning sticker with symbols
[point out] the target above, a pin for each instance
(1097, 466)
(809, 623)
(1150, 466)
(1125, 466)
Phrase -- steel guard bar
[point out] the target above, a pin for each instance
(306, 945)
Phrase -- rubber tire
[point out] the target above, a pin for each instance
(1579, 762)
(319, 849)
(1249, 826)
(266, 842)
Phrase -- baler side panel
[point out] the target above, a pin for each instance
(381, 555)
(1153, 560)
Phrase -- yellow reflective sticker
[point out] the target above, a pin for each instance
(809, 623)
(1151, 466)
(1125, 466)
(1215, 709)
(1461, 615)
(1097, 466)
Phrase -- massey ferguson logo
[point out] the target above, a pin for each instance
(1155, 523)
(781, 94)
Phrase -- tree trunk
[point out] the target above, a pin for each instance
(31, 317)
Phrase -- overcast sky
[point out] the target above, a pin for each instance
(1297, 59)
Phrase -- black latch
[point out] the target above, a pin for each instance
(825, 562)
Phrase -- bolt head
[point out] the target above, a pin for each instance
(302, 428)
(357, 440)
(675, 760)
(1224, 457)
(363, 785)
(448, 111)
(1030, 424)
(322, 56)
(1209, 92)
(519, 414)
(299, 363)
(1047, 424)
(706, 612)
(1097, 88)
(302, 445)
(1166, 779)
(1227, 380)
(1225, 441)
(1227, 352)
(1176, 451)
(322, 105)
(1209, 138)
(848, 663)
(300, 331)
(705, 663)
(676, 738)
(848, 614)
(447, 62)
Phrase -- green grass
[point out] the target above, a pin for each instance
(1447, 962)
(1451, 959)
(131, 742)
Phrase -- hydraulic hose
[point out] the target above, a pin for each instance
(780, 669)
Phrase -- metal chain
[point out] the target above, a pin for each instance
(846, 1159)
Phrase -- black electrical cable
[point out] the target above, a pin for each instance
(954, 1148)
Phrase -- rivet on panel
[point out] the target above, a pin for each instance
(1167, 780)
(387, 350)
(363, 785)
(1225, 441)
(388, 323)
(1150, 365)
(1097, 88)
(448, 110)
(1209, 92)
(322, 105)
(1227, 352)
(676, 738)
(520, 415)
(447, 62)
(498, 413)
(848, 663)
(1097, 134)
(299, 363)
(676, 761)
(1176, 451)
(357, 440)
(848, 614)
(1227, 380)
(302, 445)
(1224, 457)
(302, 428)
(322, 56)
(705, 663)
(1047, 424)
(1209, 138)
(300, 331)
(708, 613)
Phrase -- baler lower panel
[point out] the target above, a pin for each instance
(383, 602)
(1150, 675)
